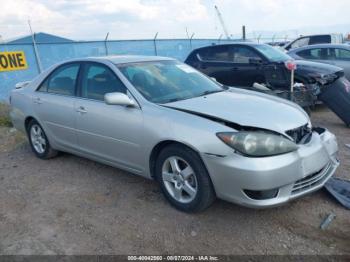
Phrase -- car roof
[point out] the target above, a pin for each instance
(235, 43)
(331, 34)
(345, 46)
(123, 59)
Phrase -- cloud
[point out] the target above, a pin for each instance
(136, 19)
(283, 14)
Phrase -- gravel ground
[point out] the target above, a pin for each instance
(71, 205)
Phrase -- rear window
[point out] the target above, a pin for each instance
(216, 53)
(300, 42)
(62, 81)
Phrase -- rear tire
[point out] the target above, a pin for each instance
(38, 141)
(184, 179)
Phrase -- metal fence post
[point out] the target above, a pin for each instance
(106, 47)
(36, 52)
(259, 38)
(191, 41)
(155, 44)
(219, 39)
(273, 38)
(243, 33)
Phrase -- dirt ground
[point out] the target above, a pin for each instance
(71, 205)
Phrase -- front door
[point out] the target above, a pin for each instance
(248, 66)
(110, 132)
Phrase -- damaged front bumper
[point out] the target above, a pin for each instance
(270, 181)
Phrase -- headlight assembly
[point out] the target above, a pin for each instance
(257, 144)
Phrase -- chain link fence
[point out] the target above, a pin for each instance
(40, 56)
(48, 54)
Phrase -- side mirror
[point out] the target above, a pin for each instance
(119, 99)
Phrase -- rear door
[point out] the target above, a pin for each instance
(216, 61)
(111, 133)
(54, 105)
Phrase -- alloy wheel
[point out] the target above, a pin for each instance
(179, 179)
(37, 138)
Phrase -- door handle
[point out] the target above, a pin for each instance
(81, 110)
(37, 100)
(235, 69)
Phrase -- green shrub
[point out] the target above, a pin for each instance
(5, 115)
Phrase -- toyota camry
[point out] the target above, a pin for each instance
(164, 120)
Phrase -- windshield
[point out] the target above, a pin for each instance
(272, 53)
(168, 81)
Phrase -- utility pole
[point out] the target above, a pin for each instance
(243, 33)
(222, 22)
(155, 44)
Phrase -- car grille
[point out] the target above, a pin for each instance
(311, 180)
(300, 135)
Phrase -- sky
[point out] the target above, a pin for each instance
(142, 19)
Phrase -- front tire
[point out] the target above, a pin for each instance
(38, 141)
(184, 179)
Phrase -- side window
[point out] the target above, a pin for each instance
(217, 53)
(243, 55)
(99, 80)
(62, 81)
(320, 39)
(342, 54)
(316, 53)
(202, 53)
(300, 42)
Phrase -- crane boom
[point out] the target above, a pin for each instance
(222, 22)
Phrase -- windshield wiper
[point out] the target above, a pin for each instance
(210, 92)
(171, 100)
(184, 98)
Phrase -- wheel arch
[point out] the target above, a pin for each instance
(30, 118)
(27, 120)
(159, 147)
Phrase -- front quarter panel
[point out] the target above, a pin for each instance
(166, 124)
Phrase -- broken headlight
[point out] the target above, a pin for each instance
(325, 79)
(257, 144)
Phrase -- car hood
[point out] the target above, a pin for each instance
(314, 68)
(246, 109)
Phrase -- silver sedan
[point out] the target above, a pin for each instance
(162, 119)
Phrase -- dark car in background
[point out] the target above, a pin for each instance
(244, 64)
(333, 54)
